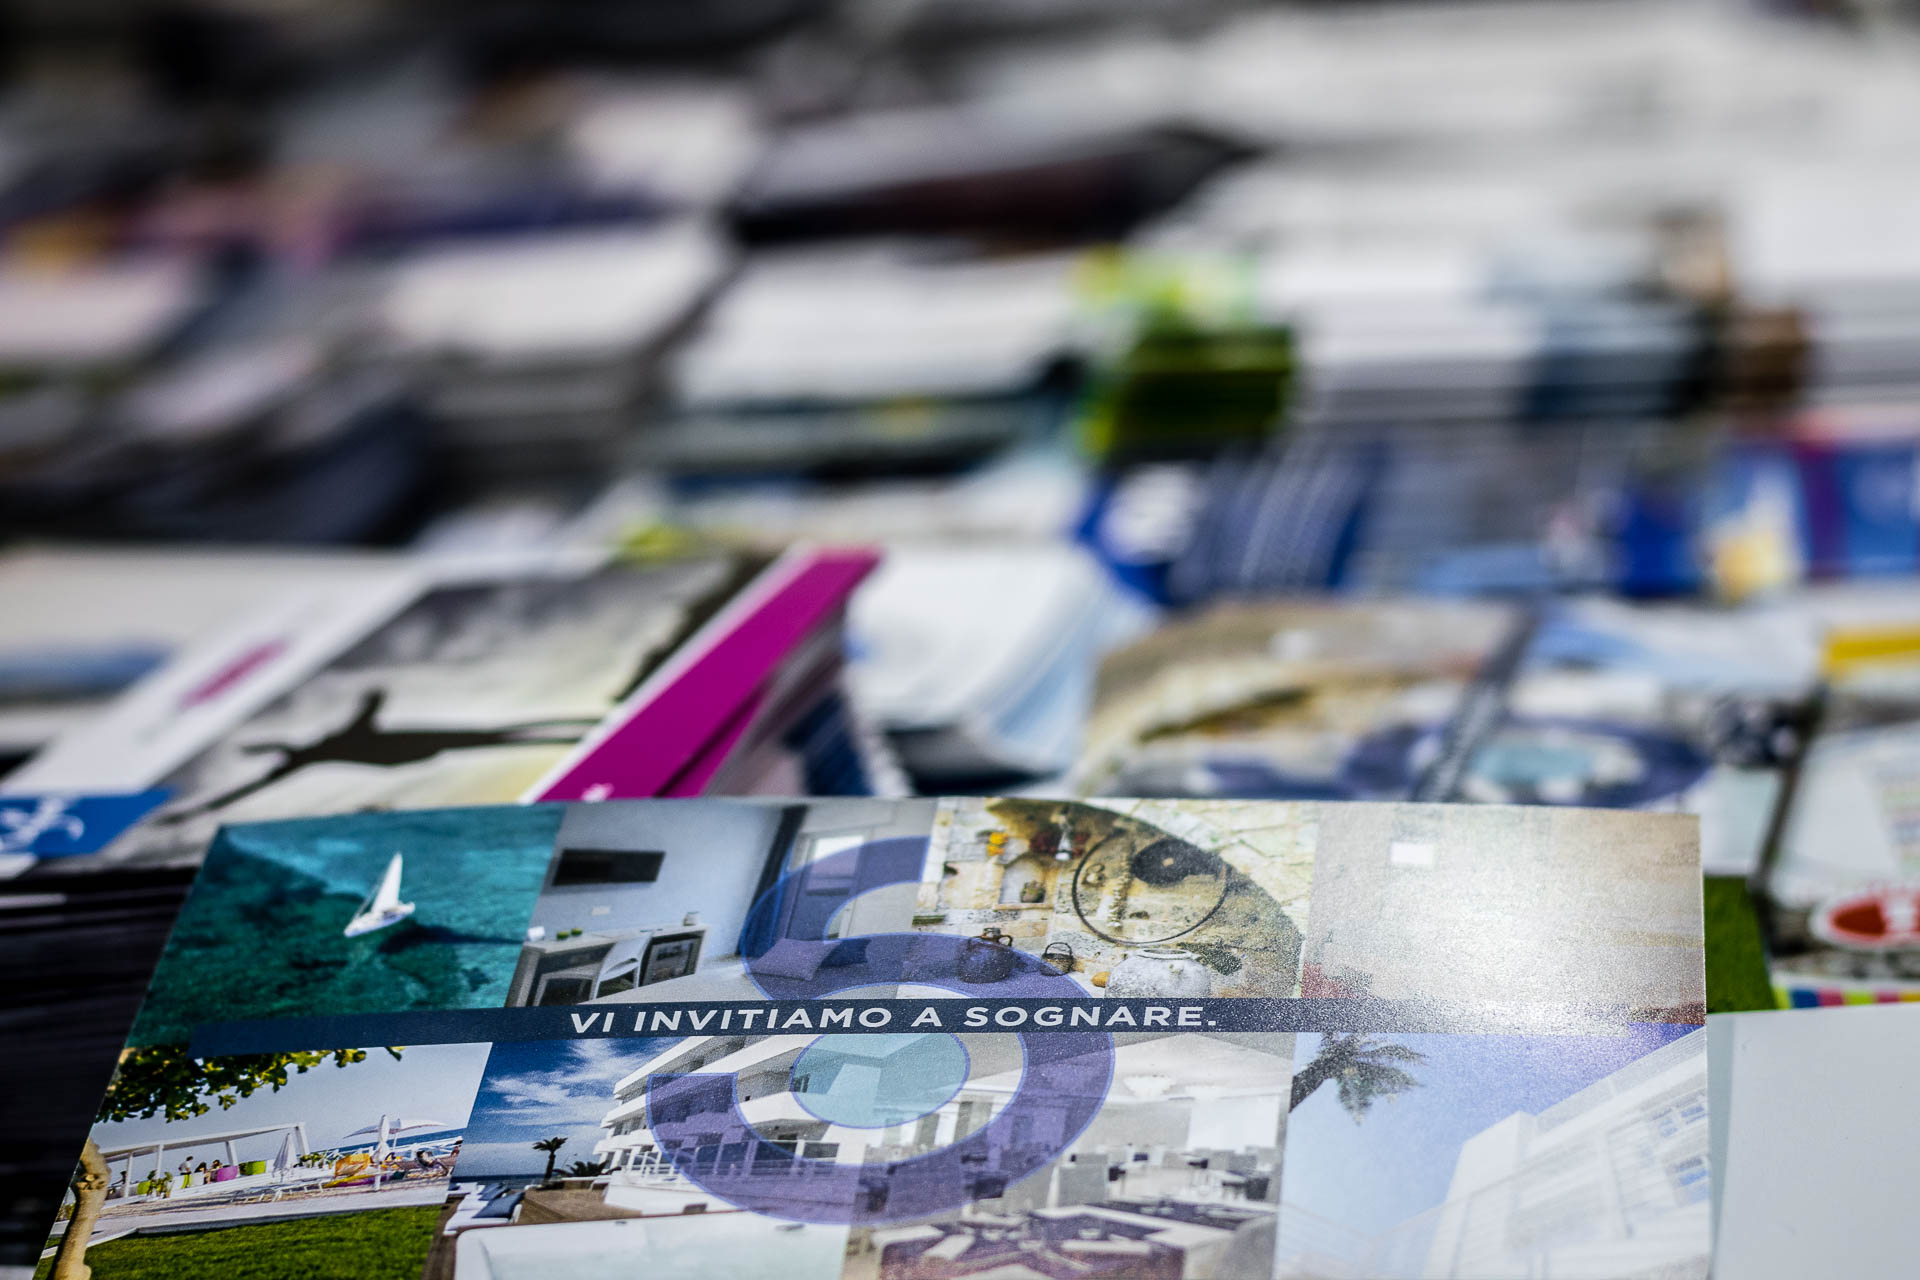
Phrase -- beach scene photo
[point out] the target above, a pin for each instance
(363, 913)
(299, 1164)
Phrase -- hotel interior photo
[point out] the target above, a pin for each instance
(1177, 1177)
(649, 903)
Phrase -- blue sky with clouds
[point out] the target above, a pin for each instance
(1399, 1158)
(546, 1089)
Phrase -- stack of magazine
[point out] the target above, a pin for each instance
(456, 683)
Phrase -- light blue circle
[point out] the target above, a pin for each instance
(875, 1081)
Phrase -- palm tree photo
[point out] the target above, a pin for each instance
(1363, 1069)
(552, 1147)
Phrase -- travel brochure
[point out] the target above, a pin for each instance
(919, 1039)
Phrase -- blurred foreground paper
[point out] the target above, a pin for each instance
(1814, 1114)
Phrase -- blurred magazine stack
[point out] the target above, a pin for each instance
(1589, 703)
(1301, 699)
(492, 682)
(538, 350)
(1840, 883)
(978, 662)
(887, 355)
(84, 624)
(1681, 708)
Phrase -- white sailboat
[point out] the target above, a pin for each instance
(383, 906)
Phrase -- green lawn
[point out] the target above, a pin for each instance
(1736, 956)
(378, 1244)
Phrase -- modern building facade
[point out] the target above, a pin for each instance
(1611, 1181)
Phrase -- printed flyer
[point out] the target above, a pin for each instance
(861, 1039)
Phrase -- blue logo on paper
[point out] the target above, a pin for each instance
(56, 826)
(890, 1078)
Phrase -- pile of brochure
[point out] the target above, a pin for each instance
(1365, 512)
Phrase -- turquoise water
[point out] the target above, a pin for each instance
(261, 934)
(875, 1081)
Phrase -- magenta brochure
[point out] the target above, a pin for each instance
(864, 1039)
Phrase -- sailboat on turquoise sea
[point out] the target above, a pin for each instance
(382, 907)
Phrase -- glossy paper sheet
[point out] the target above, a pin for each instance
(921, 1039)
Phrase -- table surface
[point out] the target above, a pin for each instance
(581, 942)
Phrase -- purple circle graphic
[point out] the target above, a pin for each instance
(696, 1121)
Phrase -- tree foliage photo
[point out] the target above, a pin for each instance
(165, 1080)
(1363, 1068)
(552, 1147)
